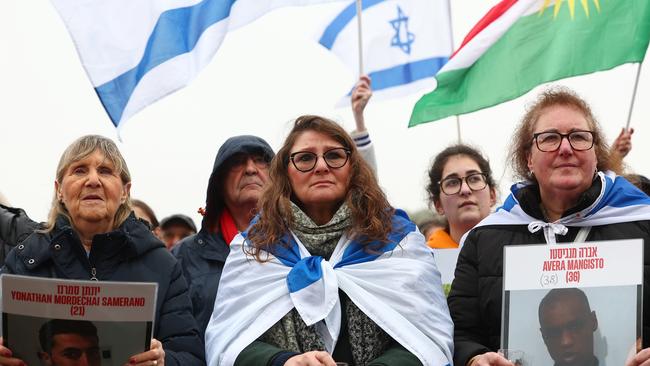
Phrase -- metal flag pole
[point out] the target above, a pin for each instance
(451, 38)
(359, 8)
(636, 85)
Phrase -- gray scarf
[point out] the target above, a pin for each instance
(367, 340)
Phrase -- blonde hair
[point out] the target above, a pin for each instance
(523, 138)
(78, 150)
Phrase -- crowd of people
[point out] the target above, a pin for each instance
(301, 260)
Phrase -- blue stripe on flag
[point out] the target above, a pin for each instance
(336, 26)
(307, 271)
(358, 253)
(406, 73)
(620, 193)
(176, 32)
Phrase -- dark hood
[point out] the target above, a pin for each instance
(235, 145)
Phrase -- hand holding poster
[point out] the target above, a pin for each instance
(558, 306)
(48, 321)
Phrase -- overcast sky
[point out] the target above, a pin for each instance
(263, 76)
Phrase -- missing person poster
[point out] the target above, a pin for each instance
(61, 322)
(446, 261)
(573, 304)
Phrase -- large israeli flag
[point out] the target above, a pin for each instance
(138, 51)
(405, 42)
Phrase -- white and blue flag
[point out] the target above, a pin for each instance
(136, 52)
(405, 43)
(397, 285)
(618, 201)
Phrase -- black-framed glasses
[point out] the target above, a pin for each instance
(452, 185)
(551, 141)
(305, 161)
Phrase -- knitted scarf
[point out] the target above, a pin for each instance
(367, 340)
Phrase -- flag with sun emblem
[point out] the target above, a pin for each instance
(405, 42)
(520, 44)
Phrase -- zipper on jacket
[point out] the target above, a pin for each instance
(93, 272)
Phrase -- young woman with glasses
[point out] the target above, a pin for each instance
(568, 193)
(462, 189)
(329, 271)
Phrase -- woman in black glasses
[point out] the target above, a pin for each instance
(329, 271)
(462, 189)
(569, 193)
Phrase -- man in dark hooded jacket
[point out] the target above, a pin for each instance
(239, 173)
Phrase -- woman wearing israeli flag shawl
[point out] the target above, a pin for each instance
(569, 194)
(329, 271)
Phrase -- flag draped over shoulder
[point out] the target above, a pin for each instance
(136, 52)
(522, 43)
(405, 42)
(618, 201)
(396, 284)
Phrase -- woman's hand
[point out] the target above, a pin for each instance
(5, 356)
(641, 358)
(623, 143)
(313, 358)
(360, 96)
(155, 356)
(490, 359)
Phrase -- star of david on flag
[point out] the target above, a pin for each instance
(136, 52)
(405, 43)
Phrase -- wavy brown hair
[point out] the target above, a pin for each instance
(371, 213)
(523, 137)
(78, 150)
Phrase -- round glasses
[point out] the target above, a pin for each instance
(452, 185)
(551, 141)
(305, 161)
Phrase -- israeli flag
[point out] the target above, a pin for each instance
(396, 284)
(136, 52)
(405, 43)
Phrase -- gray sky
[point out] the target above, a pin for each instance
(262, 77)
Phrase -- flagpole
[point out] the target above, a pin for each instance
(451, 39)
(360, 38)
(636, 85)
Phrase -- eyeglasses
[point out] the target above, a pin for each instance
(305, 161)
(238, 162)
(551, 141)
(452, 185)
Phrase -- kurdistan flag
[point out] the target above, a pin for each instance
(520, 44)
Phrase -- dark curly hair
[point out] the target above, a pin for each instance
(435, 173)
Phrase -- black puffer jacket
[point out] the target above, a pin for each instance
(130, 253)
(203, 255)
(476, 293)
(15, 226)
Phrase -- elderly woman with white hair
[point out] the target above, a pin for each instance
(92, 234)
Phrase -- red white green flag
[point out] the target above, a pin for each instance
(520, 44)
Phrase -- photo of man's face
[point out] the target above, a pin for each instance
(69, 343)
(73, 350)
(567, 325)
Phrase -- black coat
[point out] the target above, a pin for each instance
(130, 253)
(15, 226)
(202, 257)
(476, 293)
